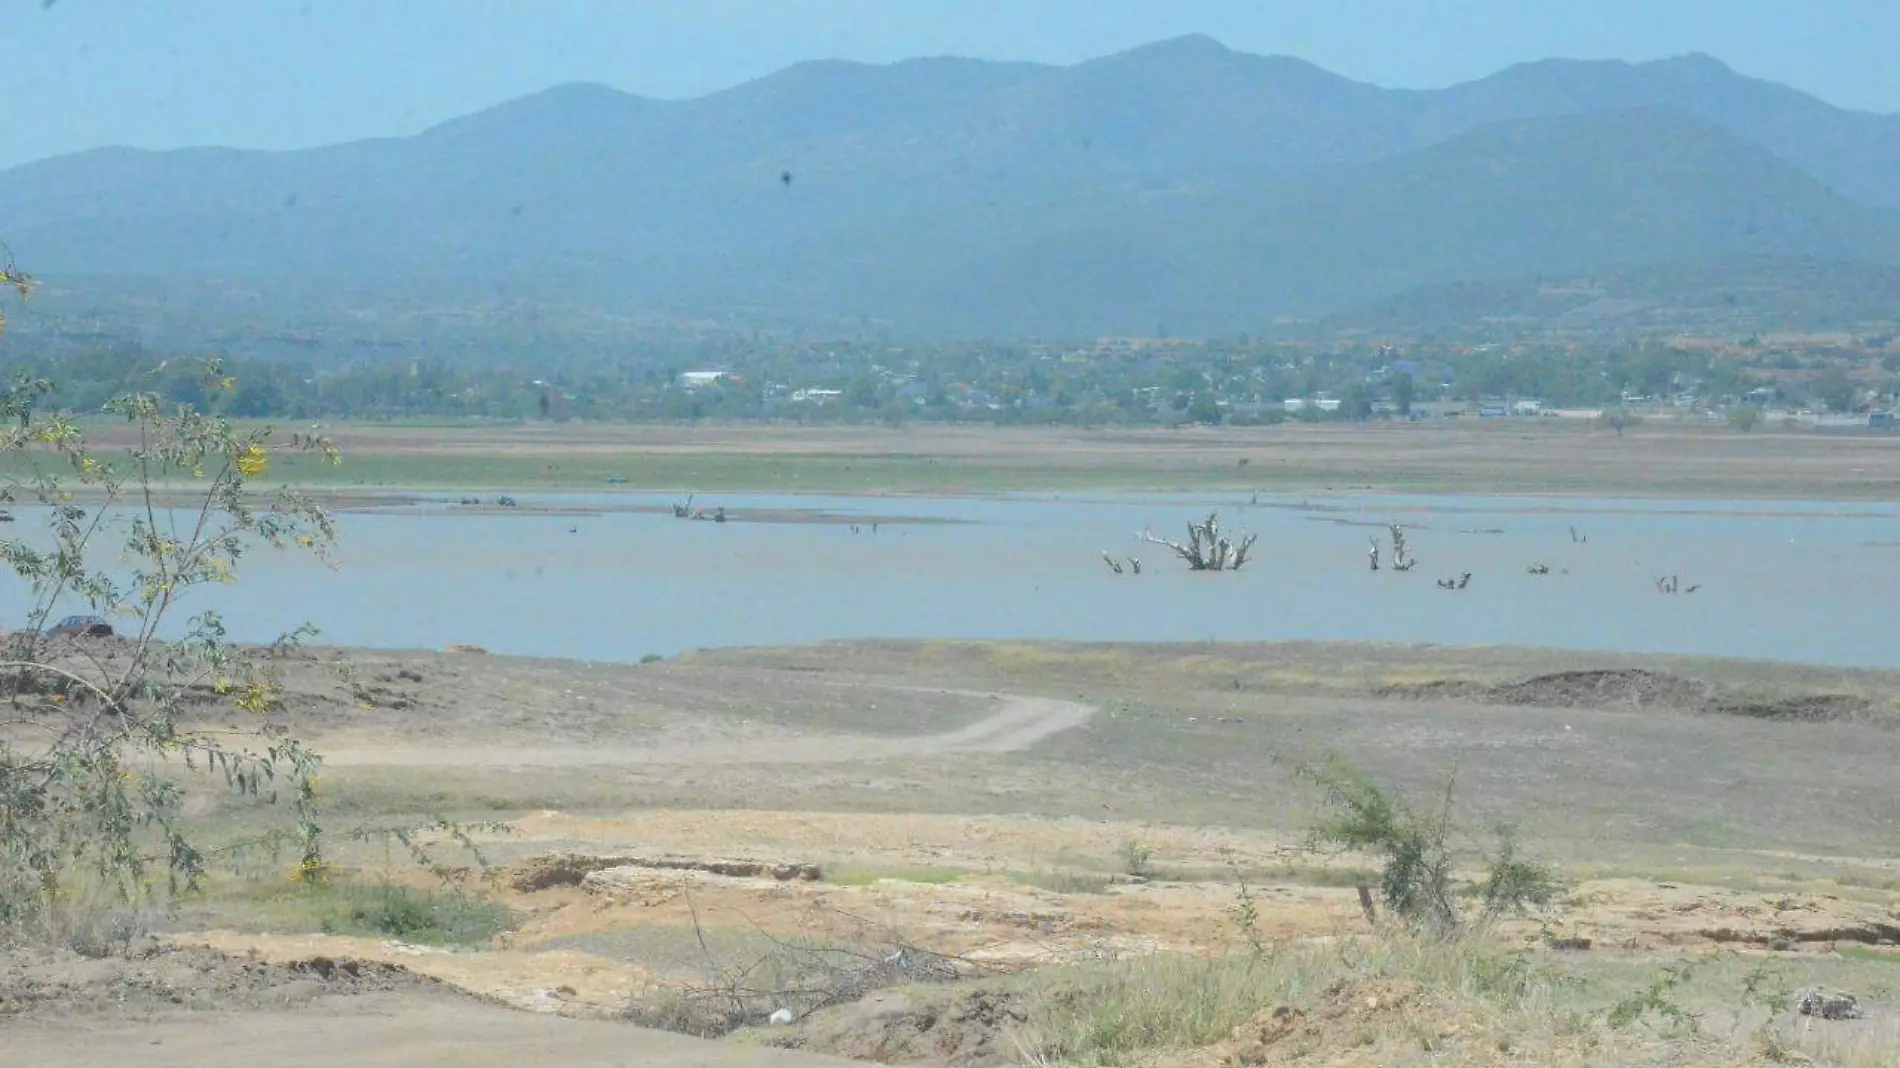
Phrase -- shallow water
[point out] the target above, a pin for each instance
(1808, 582)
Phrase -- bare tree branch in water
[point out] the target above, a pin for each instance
(1208, 548)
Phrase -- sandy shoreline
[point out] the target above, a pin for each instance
(464, 501)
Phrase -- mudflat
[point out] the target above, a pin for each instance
(1659, 458)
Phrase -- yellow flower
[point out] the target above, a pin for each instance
(252, 460)
(310, 872)
(256, 699)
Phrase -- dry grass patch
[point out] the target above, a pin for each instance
(1393, 999)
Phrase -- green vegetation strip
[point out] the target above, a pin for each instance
(793, 472)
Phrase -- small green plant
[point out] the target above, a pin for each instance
(1767, 985)
(422, 917)
(1657, 998)
(1244, 913)
(1499, 975)
(1417, 872)
(1136, 858)
(1512, 884)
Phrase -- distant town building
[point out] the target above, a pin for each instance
(702, 379)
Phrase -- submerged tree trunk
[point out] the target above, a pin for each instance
(1401, 552)
(1209, 548)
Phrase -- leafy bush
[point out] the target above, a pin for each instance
(90, 801)
(1136, 858)
(1417, 874)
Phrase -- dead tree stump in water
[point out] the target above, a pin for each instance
(1402, 559)
(1208, 548)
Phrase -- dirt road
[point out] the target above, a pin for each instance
(1018, 723)
(410, 1030)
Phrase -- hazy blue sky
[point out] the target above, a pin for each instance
(289, 73)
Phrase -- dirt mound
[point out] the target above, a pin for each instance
(63, 983)
(556, 982)
(1436, 690)
(559, 869)
(915, 1025)
(1610, 688)
(1637, 688)
(1811, 708)
(581, 869)
(783, 871)
(1349, 1015)
(1604, 689)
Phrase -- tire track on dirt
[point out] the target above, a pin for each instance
(1019, 723)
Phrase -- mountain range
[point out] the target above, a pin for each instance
(1180, 187)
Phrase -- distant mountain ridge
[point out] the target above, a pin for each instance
(1179, 184)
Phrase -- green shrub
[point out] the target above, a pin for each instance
(423, 917)
(1136, 858)
(1417, 873)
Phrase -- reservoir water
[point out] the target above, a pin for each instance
(578, 576)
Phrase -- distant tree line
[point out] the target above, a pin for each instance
(1237, 381)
